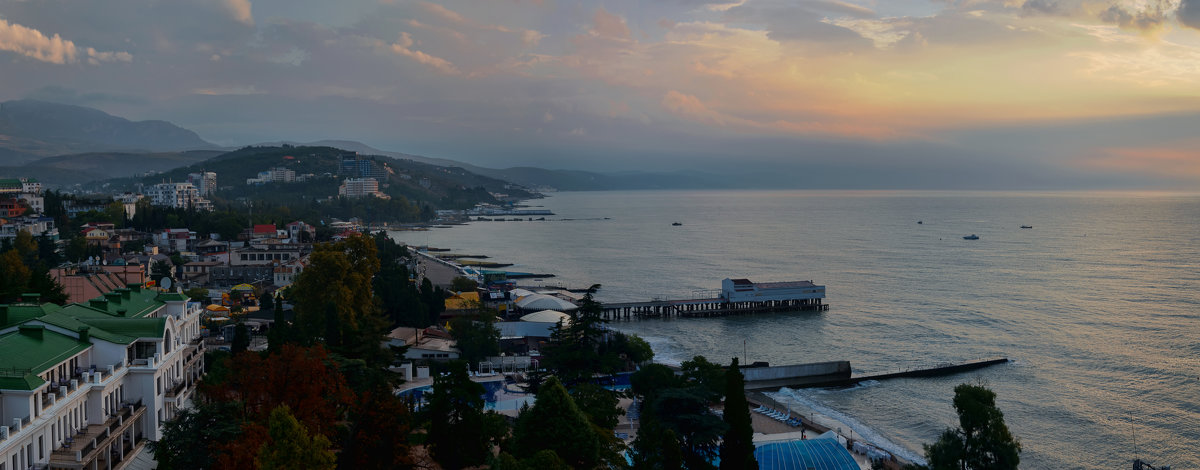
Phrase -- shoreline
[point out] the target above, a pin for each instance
(814, 420)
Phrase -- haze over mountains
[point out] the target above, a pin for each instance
(63, 145)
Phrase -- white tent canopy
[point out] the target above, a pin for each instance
(544, 302)
(547, 316)
(519, 292)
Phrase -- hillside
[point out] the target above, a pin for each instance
(413, 187)
(40, 128)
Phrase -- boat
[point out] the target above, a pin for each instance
(677, 224)
(1026, 226)
(971, 237)
(919, 222)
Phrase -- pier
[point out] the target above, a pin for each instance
(834, 374)
(736, 297)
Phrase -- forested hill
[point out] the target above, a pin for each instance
(415, 188)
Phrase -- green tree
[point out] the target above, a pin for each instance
(241, 338)
(334, 299)
(191, 439)
(708, 376)
(737, 447)
(198, 294)
(463, 284)
(554, 414)
(266, 302)
(982, 440)
(476, 336)
(656, 447)
(14, 276)
(291, 447)
(459, 434)
(160, 269)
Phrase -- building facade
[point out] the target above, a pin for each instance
(204, 181)
(178, 196)
(88, 385)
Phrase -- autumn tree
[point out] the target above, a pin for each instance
(982, 440)
(290, 447)
(305, 379)
(334, 299)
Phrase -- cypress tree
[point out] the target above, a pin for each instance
(737, 447)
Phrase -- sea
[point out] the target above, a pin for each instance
(1097, 305)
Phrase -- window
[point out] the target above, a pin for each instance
(41, 447)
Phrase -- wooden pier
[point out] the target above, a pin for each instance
(708, 307)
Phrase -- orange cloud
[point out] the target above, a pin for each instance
(404, 48)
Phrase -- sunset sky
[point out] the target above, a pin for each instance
(987, 93)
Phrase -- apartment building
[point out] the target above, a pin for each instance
(86, 386)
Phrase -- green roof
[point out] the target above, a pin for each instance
(119, 317)
(32, 350)
(21, 313)
(10, 182)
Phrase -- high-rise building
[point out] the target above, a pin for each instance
(205, 182)
(177, 195)
(359, 187)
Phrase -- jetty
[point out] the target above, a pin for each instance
(838, 374)
(736, 297)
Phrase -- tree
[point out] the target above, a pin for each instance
(241, 338)
(334, 299)
(198, 294)
(460, 434)
(737, 447)
(266, 302)
(556, 416)
(706, 375)
(476, 336)
(378, 437)
(463, 284)
(291, 447)
(160, 269)
(14, 276)
(982, 440)
(191, 439)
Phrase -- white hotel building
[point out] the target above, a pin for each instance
(86, 386)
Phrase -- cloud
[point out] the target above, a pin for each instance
(240, 9)
(1189, 13)
(404, 48)
(1148, 17)
(608, 25)
(32, 43)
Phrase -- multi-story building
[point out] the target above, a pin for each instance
(177, 195)
(359, 187)
(176, 239)
(274, 175)
(86, 386)
(267, 254)
(204, 181)
(36, 226)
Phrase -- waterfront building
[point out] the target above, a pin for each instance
(743, 290)
(87, 385)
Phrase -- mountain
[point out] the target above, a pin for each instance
(562, 180)
(40, 128)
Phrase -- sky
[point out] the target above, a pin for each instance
(872, 93)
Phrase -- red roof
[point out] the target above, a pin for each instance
(264, 228)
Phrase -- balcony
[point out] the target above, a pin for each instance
(113, 442)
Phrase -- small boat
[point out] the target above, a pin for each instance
(971, 237)
(677, 224)
(1026, 226)
(919, 222)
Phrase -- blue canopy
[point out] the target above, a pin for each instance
(814, 454)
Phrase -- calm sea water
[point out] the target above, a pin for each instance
(1098, 304)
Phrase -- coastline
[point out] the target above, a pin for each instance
(816, 420)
